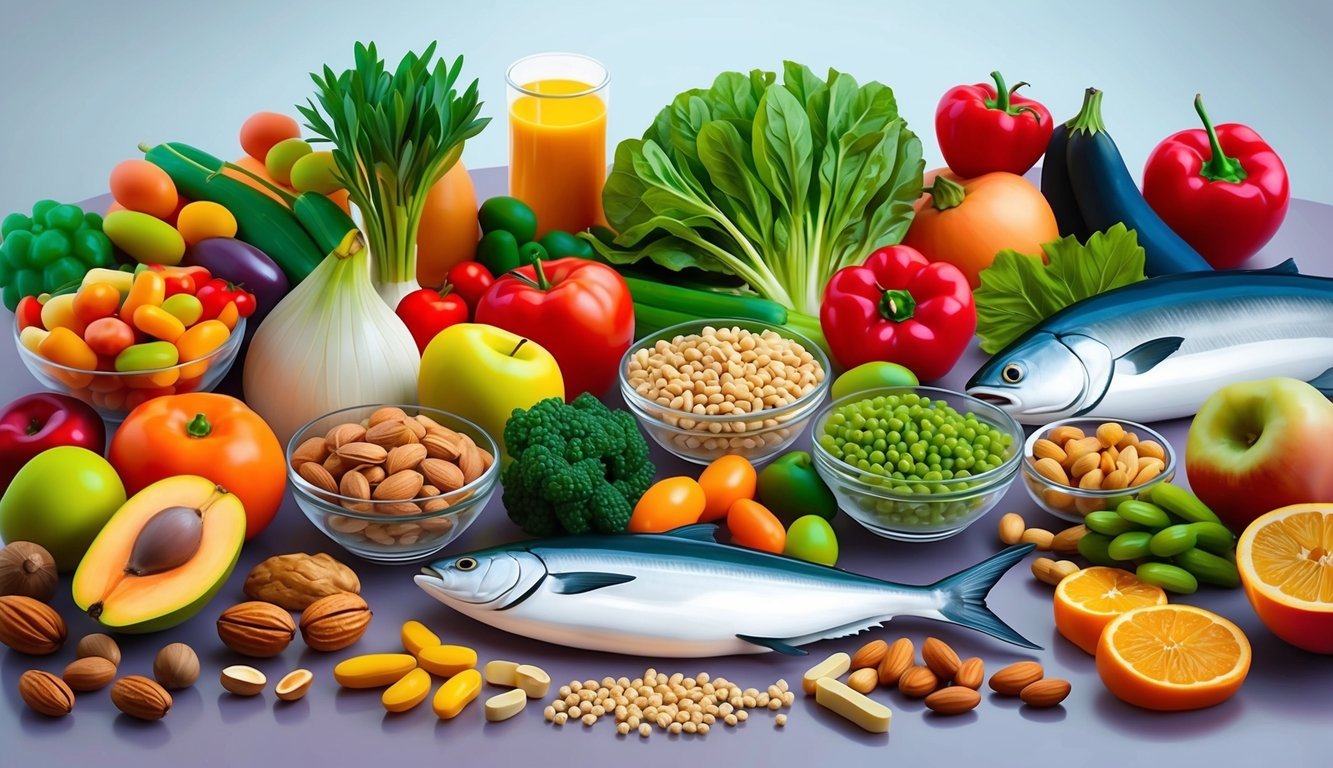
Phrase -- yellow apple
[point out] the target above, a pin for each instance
(483, 373)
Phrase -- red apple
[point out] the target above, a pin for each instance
(1259, 445)
(36, 422)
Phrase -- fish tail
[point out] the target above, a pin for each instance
(965, 596)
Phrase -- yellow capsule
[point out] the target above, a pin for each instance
(447, 660)
(373, 670)
(408, 692)
(456, 693)
(417, 637)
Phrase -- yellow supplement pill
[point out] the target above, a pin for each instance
(501, 673)
(456, 693)
(503, 706)
(373, 670)
(836, 696)
(416, 637)
(408, 692)
(834, 666)
(447, 660)
(532, 680)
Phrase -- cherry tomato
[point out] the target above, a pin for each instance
(108, 336)
(470, 280)
(753, 526)
(811, 538)
(668, 504)
(95, 301)
(724, 481)
(217, 293)
(175, 280)
(29, 313)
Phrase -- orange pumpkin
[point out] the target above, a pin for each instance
(449, 231)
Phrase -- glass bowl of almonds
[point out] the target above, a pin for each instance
(392, 483)
(710, 388)
(1076, 466)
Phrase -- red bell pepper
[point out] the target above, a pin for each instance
(1223, 190)
(901, 308)
(983, 128)
(579, 310)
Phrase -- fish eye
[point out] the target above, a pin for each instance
(1012, 373)
(465, 564)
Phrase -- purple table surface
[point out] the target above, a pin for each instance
(1280, 716)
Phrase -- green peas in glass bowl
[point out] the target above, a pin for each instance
(916, 463)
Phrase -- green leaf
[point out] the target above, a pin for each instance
(1018, 291)
(783, 150)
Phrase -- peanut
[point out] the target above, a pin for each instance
(1111, 459)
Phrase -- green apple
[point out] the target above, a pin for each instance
(61, 499)
(483, 373)
(877, 374)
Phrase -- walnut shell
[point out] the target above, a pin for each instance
(333, 623)
(295, 581)
(28, 570)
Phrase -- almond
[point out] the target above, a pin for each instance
(397, 508)
(317, 476)
(373, 474)
(312, 449)
(343, 434)
(404, 457)
(1039, 536)
(294, 685)
(385, 414)
(470, 462)
(30, 626)
(430, 424)
(1063, 433)
(1051, 470)
(363, 453)
(354, 484)
(428, 491)
(486, 458)
(1048, 449)
(870, 655)
(917, 682)
(399, 486)
(954, 700)
(896, 661)
(46, 693)
(436, 505)
(390, 434)
(941, 659)
(90, 673)
(415, 427)
(443, 475)
(1066, 541)
(1085, 464)
(863, 680)
(140, 697)
(240, 680)
(1011, 528)
(335, 465)
(1015, 677)
(256, 629)
(332, 623)
(971, 673)
(1045, 693)
(440, 446)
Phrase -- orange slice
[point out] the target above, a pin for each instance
(1285, 559)
(1087, 600)
(1172, 657)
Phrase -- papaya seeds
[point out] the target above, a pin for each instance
(168, 540)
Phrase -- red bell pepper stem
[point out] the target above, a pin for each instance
(542, 282)
(1219, 167)
(897, 305)
(199, 426)
(945, 193)
(1002, 94)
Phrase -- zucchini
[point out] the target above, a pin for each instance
(1107, 195)
(330, 226)
(649, 319)
(261, 221)
(1055, 186)
(699, 304)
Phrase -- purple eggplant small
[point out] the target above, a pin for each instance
(245, 265)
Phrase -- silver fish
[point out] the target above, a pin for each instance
(681, 594)
(1158, 348)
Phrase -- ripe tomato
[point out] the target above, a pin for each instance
(753, 526)
(724, 481)
(668, 504)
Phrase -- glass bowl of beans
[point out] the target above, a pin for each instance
(916, 463)
(710, 388)
(392, 483)
(1076, 466)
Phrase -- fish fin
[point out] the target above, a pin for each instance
(775, 644)
(1287, 267)
(705, 532)
(578, 582)
(1324, 382)
(965, 596)
(1145, 356)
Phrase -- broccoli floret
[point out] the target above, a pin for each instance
(574, 468)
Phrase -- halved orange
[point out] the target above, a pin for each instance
(1285, 559)
(1172, 657)
(1087, 600)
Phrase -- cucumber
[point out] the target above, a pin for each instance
(1055, 186)
(706, 304)
(649, 319)
(1107, 194)
(1183, 504)
(261, 221)
(331, 228)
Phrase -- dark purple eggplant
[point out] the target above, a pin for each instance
(245, 265)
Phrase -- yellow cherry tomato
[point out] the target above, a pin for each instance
(724, 481)
(668, 504)
(149, 289)
(753, 526)
(59, 312)
(198, 342)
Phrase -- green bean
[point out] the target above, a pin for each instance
(1173, 539)
(1214, 537)
(1108, 522)
(1209, 568)
(1143, 514)
(1093, 547)
(1169, 577)
(1132, 545)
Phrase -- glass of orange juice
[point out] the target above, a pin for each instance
(557, 138)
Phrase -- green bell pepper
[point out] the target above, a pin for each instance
(791, 489)
(51, 248)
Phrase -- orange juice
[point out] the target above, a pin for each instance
(557, 153)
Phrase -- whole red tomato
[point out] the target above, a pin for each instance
(206, 434)
(579, 310)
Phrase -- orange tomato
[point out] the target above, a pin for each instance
(725, 481)
(65, 347)
(753, 526)
(141, 186)
(198, 342)
(206, 434)
(449, 230)
(999, 211)
(262, 130)
(108, 336)
(668, 504)
(95, 301)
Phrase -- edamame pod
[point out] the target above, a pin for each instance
(1172, 540)
(1214, 537)
(1182, 504)
(1132, 545)
(1093, 547)
(1209, 568)
(1108, 522)
(1169, 577)
(1143, 514)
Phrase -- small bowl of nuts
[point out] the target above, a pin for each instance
(392, 483)
(711, 388)
(1076, 466)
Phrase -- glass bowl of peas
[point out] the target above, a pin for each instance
(916, 463)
